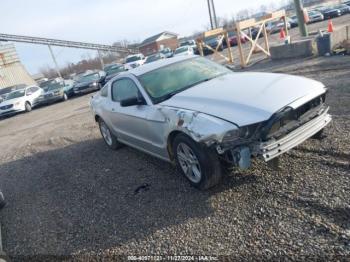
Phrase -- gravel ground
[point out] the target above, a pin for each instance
(68, 194)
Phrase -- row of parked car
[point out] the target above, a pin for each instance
(22, 98)
(321, 13)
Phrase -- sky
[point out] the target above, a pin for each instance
(103, 22)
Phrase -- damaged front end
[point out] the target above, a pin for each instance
(283, 131)
(290, 127)
(268, 139)
(233, 144)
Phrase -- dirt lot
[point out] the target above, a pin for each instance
(69, 194)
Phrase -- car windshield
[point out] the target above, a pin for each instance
(163, 83)
(186, 43)
(166, 50)
(15, 94)
(108, 67)
(115, 69)
(54, 86)
(181, 50)
(91, 77)
(46, 85)
(340, 6)
(152, 58)
(132, 59)
(231, 34)
(211, 40)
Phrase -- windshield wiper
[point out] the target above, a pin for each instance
(170, 95)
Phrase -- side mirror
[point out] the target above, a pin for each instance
(29, 93)
(133, 101)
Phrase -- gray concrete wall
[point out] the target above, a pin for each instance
(297, 49)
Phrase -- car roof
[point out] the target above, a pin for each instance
(158, 64)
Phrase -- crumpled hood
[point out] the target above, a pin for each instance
(246, 98)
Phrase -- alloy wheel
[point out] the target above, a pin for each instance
(189, 163)
(106, 134)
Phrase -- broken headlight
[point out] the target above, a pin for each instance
(231, 135)
(242, 132)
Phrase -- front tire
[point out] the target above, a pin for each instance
(109, 138)
(319, 135)
(199, 164)
(28, 107)
(65, 97)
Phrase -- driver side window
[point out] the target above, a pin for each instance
(29, 91)
(34, 89)
(123, 89)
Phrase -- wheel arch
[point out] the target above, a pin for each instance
(170, 141)
(97, 118)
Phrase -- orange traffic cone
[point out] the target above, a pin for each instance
(330, 26)
(282, 34)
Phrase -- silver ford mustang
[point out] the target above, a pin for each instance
(198, 114)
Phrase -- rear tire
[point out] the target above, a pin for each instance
(199, 164)
(28, 107)
(109, 138)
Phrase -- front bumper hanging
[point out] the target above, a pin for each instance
(274, 148)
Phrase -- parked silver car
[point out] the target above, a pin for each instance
(195, 113)
(315, 16)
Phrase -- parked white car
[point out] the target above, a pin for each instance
(20, 100)
(133, 61)
(198, 114)
(184, 50)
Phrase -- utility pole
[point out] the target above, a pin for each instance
(55, 62)
(212, 14)
(301, 19)
(101, 59)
